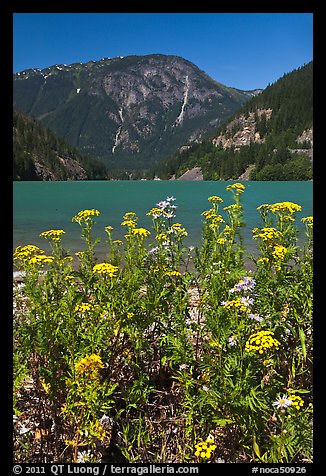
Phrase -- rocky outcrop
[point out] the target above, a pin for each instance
(243, 130)
(74, 171)
(193, 174)
(306, 136)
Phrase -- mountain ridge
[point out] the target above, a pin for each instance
(128, 112)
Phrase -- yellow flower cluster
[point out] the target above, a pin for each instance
(261, 341)
(54, 235)
(130, 216)
(156, 212)
(85, 215)
(204, 449)
(215, 199)
(279, 252)
(235, 207)
(178, 229)
(41, 259)
(237, 304)
(89, 365)
(267, 234)
(297, 401)
(129, 220)
(128, 223)
(161, 237)
(106, 269)
(84, 307)
(285, 207)
(25, 253)
(173, 273)
(309, 221)
(142, 232)
(238, 187)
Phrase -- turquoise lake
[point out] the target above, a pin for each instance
(40, 206)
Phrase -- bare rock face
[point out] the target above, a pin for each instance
(127, 111)
(243, 130)
(306, 136)
(193, 174)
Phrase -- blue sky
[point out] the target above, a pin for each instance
(241, 50)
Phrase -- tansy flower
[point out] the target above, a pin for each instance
(41, 259)
(142, 232)
(296, 401)
(84, 307)
(173, 273)
(268, 235)
(106, 269)
(261, 342)
(25, 253)
(54, 235)
(89, 365)
(129, 223)
(240, 304)
(215, 199)
(279, 252)
(85, 215)
(238, 187)
(204, 449)
(285, 207)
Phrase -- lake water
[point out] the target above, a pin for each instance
(40, 206)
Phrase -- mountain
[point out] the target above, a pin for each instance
(269, 138)
(38, 154)
(130, 112)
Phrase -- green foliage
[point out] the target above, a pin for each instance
(162, 354)
(35, 143)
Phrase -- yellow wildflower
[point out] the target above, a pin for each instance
(215, 199)
(279, 252)
(106, 269)
(268, 234)
(296, 401)
(285, 207)
(130, 216)
(261, 341)
(204, 449)
(238, 187)
(89, 365)
(54, 235)
(25, 253)
(85, 215)
(128, 223)
(309, 221)
(161, 237)
(84, 307)
(156, 212)
(142, 232)
(234, 207)
(41, 259)
(173, 273)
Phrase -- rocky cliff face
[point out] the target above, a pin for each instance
(243, 130)
(130, 111)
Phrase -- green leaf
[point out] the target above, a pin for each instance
(256, 447)
(303, 342)
(222, 421)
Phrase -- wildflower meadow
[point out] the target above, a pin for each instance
(166, 354)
